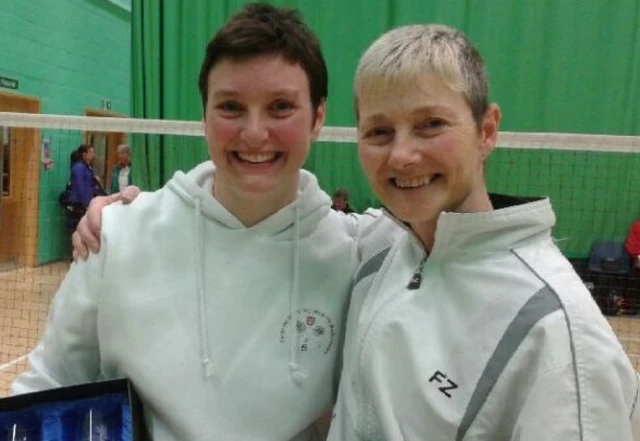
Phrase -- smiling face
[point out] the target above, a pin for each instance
(259, 124)
(422, 150)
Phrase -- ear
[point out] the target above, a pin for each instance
(204, 125)
(318, 123)
(489, 130)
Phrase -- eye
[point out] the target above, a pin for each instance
(378, 135)
(432, 125)
(229, 107)
(281, 107)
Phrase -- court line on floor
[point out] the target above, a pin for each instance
(13, 363)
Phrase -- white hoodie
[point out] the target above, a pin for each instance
(195, 309)
(493, 338)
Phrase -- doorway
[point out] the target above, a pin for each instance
(19, 186)
(106, 148)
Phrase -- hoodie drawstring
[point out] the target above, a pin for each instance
(209, 368)
(294, 369)
(207, 364)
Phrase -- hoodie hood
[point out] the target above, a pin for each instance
(310, 206)
(291, 223)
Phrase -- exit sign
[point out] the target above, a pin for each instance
(9, 83)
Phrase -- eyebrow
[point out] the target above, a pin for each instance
(227, 93)
(372, 120)
(377, 118)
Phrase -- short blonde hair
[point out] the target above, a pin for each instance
(124, 148)
(403, 55)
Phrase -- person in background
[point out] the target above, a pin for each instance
(632, 245)
(83, 178)
(341, 201)
(81, 187)
(121, 174)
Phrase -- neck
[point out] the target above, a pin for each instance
(251, 210)
(426, 232)
(476, 202)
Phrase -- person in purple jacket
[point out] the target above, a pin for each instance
(82, 186)
(82, 176)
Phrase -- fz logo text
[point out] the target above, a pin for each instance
(447, 383)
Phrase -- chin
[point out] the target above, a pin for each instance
(268, 185)
(257, 188)
(413, 213)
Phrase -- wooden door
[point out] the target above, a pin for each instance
(20, 180)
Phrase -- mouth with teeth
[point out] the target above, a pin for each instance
(257, 158)
(414, 182)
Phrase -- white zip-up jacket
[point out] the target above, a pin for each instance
(227, 332)
(493, 337)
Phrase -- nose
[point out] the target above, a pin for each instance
(255, 131)
(405, 151)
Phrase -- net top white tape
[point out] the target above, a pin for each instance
(521, 140)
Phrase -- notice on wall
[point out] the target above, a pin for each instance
(45, 153)
(9, 83)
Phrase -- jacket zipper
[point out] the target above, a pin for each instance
(416, 279)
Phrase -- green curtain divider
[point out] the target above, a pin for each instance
(146, 90)
(554, 66)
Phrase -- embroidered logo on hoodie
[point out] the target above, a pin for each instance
(314, 330)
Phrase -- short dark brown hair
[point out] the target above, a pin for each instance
(263, 29)
(341, 193)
